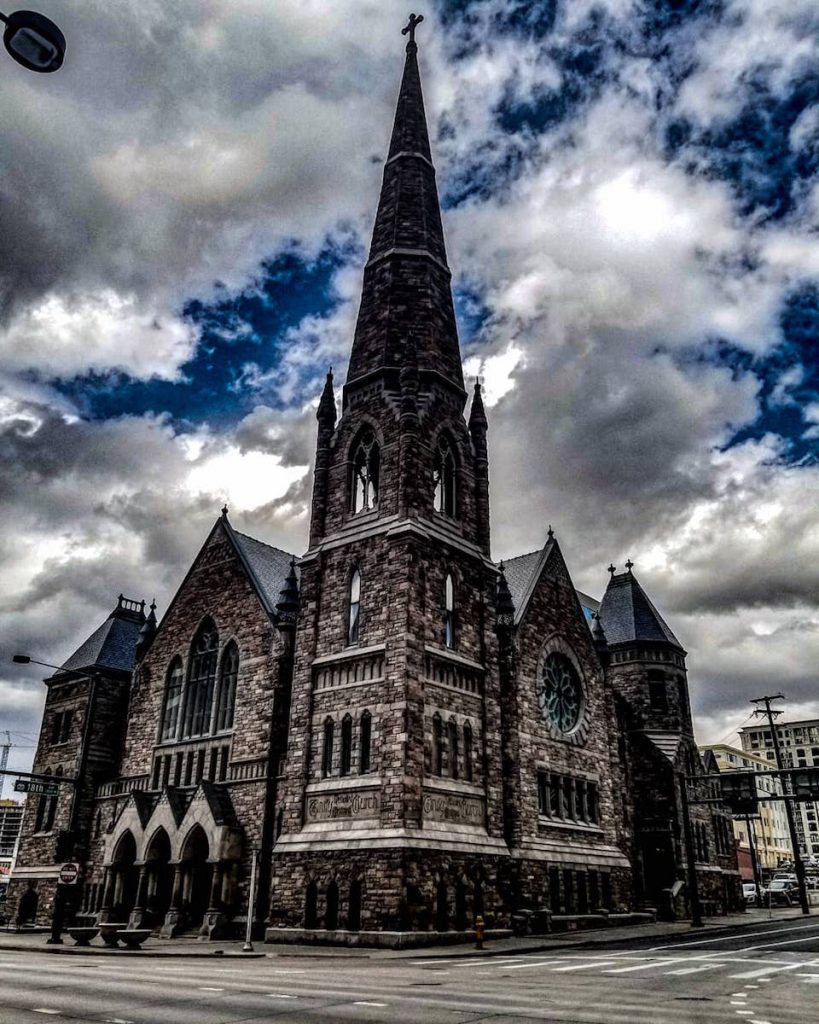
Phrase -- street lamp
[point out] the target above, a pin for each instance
(33, 41)
(255, 849)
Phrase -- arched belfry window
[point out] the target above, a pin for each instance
(366, 468)
(449, 611)
(354, 620)
(201, 682)
(227, 688)
(327, 749)
(444, 478)
(365, 742)
(173, 701)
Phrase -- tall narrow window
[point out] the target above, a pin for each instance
(454, 766)
(201, 682)
(444, 478)
(437, 745)
(353, 625)
(227, 688)
(51, 810)
(468, 772)
(346, 745)
(327, 751)
(449, 612)
(365, 741)
(657, 691)
(366, 467)
(173, 699)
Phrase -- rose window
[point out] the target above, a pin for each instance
(561, 695)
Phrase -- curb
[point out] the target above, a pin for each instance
(142, 954)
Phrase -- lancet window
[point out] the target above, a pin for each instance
(327, 751)
(366, 469)
(227, 688)
(173, 701)
(201, 682)
(365, 741)
(449, 612)
(444, 478)
(346, 745)
(354, 620)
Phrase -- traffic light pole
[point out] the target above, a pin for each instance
(799, 867)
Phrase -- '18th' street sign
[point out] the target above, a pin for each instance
(32, 786)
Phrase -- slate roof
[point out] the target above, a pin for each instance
(628, 615)
(520, 572)
(111, 646)
(269, 566)
(218, 799)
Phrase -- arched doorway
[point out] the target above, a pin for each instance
(126, 877)
(460, 905)
(354, 910)
(160, 877)
(311, 906)
(441, 908)
(27, 910)
(197, 874)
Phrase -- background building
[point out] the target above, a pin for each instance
(11, 820)
(799, 743)
(770, 827)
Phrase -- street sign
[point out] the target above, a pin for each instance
(39, 788)
(69, 873)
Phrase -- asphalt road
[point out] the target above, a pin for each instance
(765, 974)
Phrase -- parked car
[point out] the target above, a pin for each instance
(783, 892)
(749, 892)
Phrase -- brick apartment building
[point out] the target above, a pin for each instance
(408, 732)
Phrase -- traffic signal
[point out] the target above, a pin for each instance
(739, 792)
(805, 783)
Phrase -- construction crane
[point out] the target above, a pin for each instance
(4, 760)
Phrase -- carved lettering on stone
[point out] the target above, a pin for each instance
(459, 810)
(355, 806)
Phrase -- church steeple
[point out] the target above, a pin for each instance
(406, 280)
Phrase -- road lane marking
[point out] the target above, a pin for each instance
(644, 967)
(43, 1009)
(363, 1002)
(584, 967)
(530, 963)
(286, 970)
(765, 970)
(281, 995)
(695, 970)
(809, 977)
(484, 961)
(207, 988)
(737, 1002)
(730, 938)
(771, 945)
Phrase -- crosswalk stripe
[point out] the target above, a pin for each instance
(763, 971)
(583, 967)
(644, 967)
(535, 963)
(695, 970)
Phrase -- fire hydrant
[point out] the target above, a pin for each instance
(478, 933)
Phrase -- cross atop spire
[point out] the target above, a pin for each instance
(414, 21)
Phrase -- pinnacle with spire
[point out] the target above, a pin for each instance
(406, 280)
(326, 412)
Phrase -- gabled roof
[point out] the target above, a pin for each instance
(628, 615)
(666, 743)
(219, 802)
(522, 572)
(113, 645)
(268, 566)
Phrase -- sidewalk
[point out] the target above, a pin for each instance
(661, 930)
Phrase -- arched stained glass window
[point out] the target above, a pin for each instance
(366, 468)
(444, 478)
(227, 688)
(173, 700)
(365, 742)
(201, 682)
(468, 770)
(449, 612)
(355, 608)
(346, 745)
(327, 751)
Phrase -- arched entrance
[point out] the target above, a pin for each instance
(197, 875)
(126, 877)
(159, 883)
(27, 910)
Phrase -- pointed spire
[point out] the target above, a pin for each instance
(148, 632)
(477, 414)
(406, 279)
(326, 412)
(504, 605)
(287, 607)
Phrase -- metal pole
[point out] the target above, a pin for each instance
(693, 885)
(799, 867)
(754, 859)
(251, 903)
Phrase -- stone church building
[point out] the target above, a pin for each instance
(404, 732)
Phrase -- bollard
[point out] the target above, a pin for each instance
(478, 933)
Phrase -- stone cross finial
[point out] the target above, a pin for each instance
(612, 568)
(414, 21)
(629, 565)
(224, 511)
(550, 532)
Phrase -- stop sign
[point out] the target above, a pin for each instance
(69, 873)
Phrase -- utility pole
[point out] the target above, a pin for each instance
(799, 867)
(4, 760)
(749, 825)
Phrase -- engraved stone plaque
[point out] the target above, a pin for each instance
(458, 810)
(351, 804)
